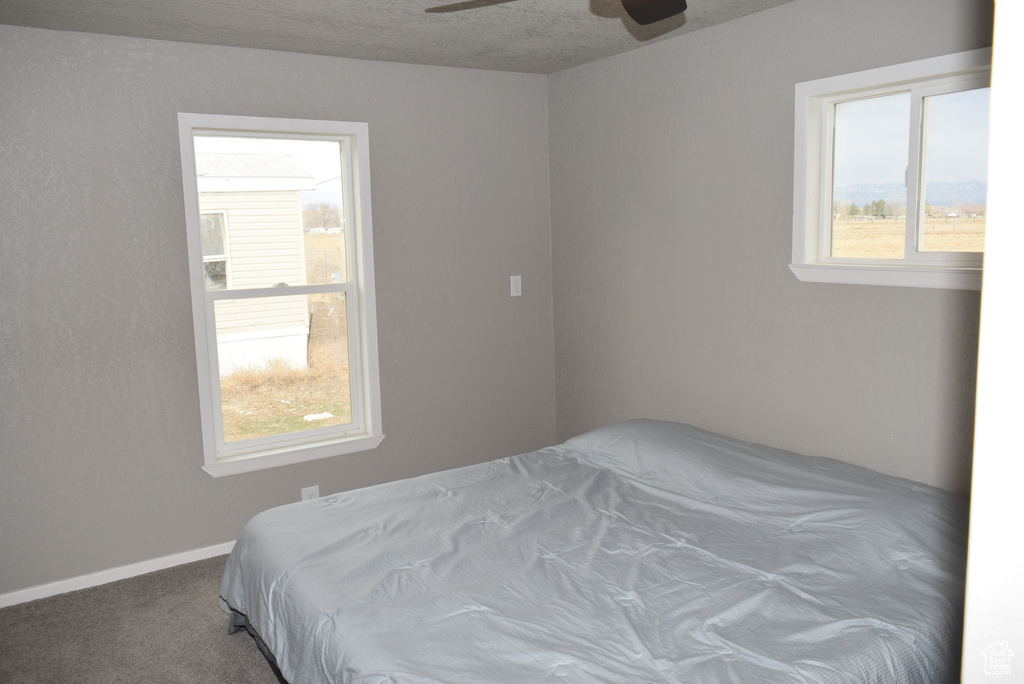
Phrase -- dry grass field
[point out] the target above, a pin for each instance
(276, 399)
(883, 238)
(325, 254)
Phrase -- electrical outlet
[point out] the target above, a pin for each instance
(310, 493)
(516, 283)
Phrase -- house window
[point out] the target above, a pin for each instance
(277, 217)
(890, 174)
(215, 254)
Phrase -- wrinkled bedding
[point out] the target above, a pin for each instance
(641, 552)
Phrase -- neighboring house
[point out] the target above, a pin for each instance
(251, 208)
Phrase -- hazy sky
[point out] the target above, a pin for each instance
(872, 138)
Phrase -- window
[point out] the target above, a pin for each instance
(277, 216)
(890, 174)
(215, 253)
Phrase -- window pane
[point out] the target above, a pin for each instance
(284, 365)
(284, 204)
(869, 195)
(955, 172)
(216, 274)
(212, 234)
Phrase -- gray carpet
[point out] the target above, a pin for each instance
(165, 626)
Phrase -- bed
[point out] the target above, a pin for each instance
(646, 551)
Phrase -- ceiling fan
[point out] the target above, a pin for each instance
(641, 11)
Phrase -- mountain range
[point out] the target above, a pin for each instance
(937, 193)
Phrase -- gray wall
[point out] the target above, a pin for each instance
(99, 425)
(672, 186)
(667, 227)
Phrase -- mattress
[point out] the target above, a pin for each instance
(645, 551)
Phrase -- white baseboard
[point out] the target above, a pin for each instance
(103, 576)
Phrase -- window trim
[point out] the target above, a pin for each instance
(813, 111)
(366, 432)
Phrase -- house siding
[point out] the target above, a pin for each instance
(265, 247)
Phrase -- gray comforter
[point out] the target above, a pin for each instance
(642, 552)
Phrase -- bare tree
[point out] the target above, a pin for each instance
(321, 215)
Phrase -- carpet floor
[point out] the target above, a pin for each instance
(165, 626)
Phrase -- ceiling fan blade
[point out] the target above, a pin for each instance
(469, 4)
(649, 11)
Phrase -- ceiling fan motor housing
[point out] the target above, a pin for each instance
(650, 11)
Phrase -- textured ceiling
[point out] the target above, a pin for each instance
(539, 36)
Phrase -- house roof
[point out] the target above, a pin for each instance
(247, 172)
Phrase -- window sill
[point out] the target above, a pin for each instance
(899, 276)
(262, 460)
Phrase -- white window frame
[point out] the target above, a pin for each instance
(365, 431)
(812, 174)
